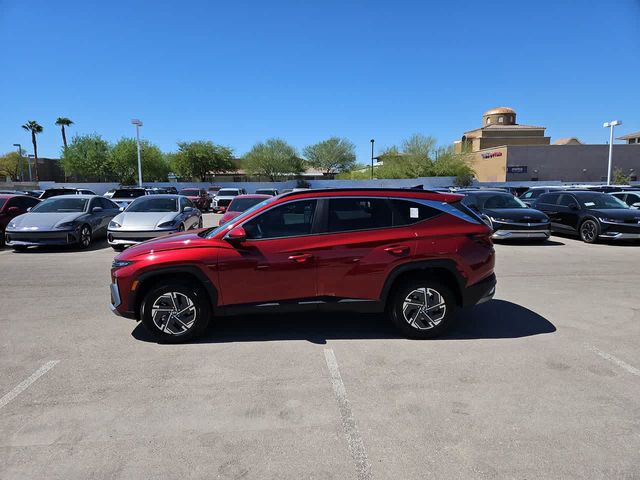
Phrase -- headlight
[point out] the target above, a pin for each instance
(113, 224)
(611, 220)
(166, 224)
(496, 219)
(66, 225)
(120, 263)
(12, 225)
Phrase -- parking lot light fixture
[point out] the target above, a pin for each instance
(138, 124)
(21, 161)
(610, 126)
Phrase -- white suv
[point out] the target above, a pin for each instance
(224, 197)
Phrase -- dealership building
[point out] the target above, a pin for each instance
(504, 150)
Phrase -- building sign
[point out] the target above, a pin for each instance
(491, 154)
(517, 169)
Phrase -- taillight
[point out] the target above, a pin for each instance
(483, 239)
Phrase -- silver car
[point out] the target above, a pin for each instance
(150, 217)
(62, 220)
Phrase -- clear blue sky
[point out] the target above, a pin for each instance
(238, 72)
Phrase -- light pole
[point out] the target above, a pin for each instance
(138, 124)
(372, 142)
(610, 126)
(21, 162)
(29, 157)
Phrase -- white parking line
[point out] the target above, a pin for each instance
(22, 386)
(354, 440)
(622, 364)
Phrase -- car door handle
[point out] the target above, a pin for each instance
(397, 249)
(300, 257)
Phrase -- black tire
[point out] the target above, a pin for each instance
(172, 330)
(83, 240)
(118, 248)
(19, 248)
(421, 328)
(589, 231)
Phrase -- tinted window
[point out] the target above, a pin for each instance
(154, 204)
(406, 212)
(60, 205)
(241, 204)
(22, 202)
(183, 203)
(549, 198)
(129, 193)
(600, 200)
(288, 220)
(2, 201)
(566, 200)
(502, 201)
(107, 204)
(347, 214)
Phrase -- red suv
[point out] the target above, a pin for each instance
(198, 196)
(417, 255)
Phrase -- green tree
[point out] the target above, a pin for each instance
(87, 156)
(272, 159)
(35, 128)
(619, 177)
(201, 159)
(331, 156)
(64, 122)
(10, 165)
(123, 161)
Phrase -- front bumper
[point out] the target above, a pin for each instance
(504, 234)
(119, 237)
(117, 302)
(41, 238)
(621, 236)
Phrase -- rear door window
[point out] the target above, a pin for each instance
(406, 212)
(548, 199)
(565, 200)
(354, 213)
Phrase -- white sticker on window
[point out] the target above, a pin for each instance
(589, 204)
(413, 213)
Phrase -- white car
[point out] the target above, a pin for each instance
(224, 197)
(631, 198)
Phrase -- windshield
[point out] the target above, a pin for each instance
(154, 205)
(266, 192)
(499, 201)
(189, 192)
(238, 219)
(600, 200)
(61, 205)
(227, 193)
(241, 204)
(128, 193)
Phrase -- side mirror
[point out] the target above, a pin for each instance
(96, 209)
(121, 209)
(187, 209)
(29, 209)
(13, 210)
(573, 206)
(236, 235)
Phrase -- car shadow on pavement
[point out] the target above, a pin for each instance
(494, 319)
(527, 242)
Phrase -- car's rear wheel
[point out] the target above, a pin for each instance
(589, 231)
(84, 239)
(422, 308)
(175, 312)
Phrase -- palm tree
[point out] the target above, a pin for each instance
(64, 122)
(35, 128)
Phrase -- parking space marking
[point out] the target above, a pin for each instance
(622, 364)
(354, 440)
(22, 386)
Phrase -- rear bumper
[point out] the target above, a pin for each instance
(480, 292)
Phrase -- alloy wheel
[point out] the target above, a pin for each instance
(589, 231)
(173, 313)
(424, 308)
(85, 236)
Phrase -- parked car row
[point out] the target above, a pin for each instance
(79, 219)
(591, 214)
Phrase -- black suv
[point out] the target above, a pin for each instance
(591, 215)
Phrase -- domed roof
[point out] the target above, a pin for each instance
(498, 110)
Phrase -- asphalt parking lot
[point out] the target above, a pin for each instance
(542, 382)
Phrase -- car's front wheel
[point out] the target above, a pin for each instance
(589, 231)
(85, 236)
(175, 312)
(422, 308)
